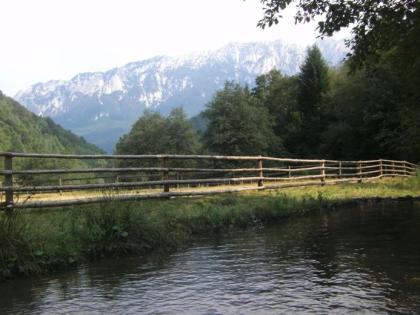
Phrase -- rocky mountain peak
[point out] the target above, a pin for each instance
(101, 106)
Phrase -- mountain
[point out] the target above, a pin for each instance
(101, 106)
(23, 131)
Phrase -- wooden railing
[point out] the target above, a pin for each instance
(175, 175)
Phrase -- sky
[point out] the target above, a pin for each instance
(56, 39)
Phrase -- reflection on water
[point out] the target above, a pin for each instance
(361, 260)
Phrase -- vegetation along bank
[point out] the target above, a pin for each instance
(40, 241)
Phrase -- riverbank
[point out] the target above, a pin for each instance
(34, 242)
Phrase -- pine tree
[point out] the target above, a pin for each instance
(278, 94)
(313, 83)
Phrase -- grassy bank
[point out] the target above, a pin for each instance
(40, 241)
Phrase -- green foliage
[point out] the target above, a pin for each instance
(313, 83)
(237, 125)
(375, 112)
(327, 113)
(16, 253)
(199, 123)
(296, 104)
(181, 135)
(377, 26)
(147, 136)
(370, 116)
(155, 134)
(37, 241)
(23, 131)
(278, 94)
(332, 113)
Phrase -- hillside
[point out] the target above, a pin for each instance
(23, 131)
(103, 106)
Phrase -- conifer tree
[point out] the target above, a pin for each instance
(313, 83)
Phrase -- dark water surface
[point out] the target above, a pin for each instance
(356, 260)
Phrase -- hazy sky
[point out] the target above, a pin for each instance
(56, 39)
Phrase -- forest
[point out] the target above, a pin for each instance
(320, 112)
(366, 108)
(23, 131)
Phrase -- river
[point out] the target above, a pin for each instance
(363, 259)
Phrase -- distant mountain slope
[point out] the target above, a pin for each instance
(102, 106)
(23, 131)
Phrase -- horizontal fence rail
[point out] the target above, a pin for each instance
(43, 181)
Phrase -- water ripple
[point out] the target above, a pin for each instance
(341, 262)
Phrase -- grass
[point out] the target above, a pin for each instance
(39, 241)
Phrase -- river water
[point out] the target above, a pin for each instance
(357, 260)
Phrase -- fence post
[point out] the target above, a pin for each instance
(8, 182)
(178, 177)
(290, 173)
(60, 183)
(393, 169)
(381, 167)
(165, 173)
(323, 172)
(359, 171)
(340, 170)
(260, 172)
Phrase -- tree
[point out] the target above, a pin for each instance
(154, 134)
(376, 26)
(23, 131)
(312, 84)
(385, 61)
(278, 94)
(147, 136)
(182, 138)
(237, 125)
(369, 117)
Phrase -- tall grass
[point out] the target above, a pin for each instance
(44, 240)
(16, 250)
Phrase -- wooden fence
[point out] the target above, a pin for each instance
(165, 176)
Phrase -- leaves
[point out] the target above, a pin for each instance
(237, 125)
(155, 134)
(23, 131)
(377, 26)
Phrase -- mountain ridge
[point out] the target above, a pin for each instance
(101, 106)
(23, 131)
